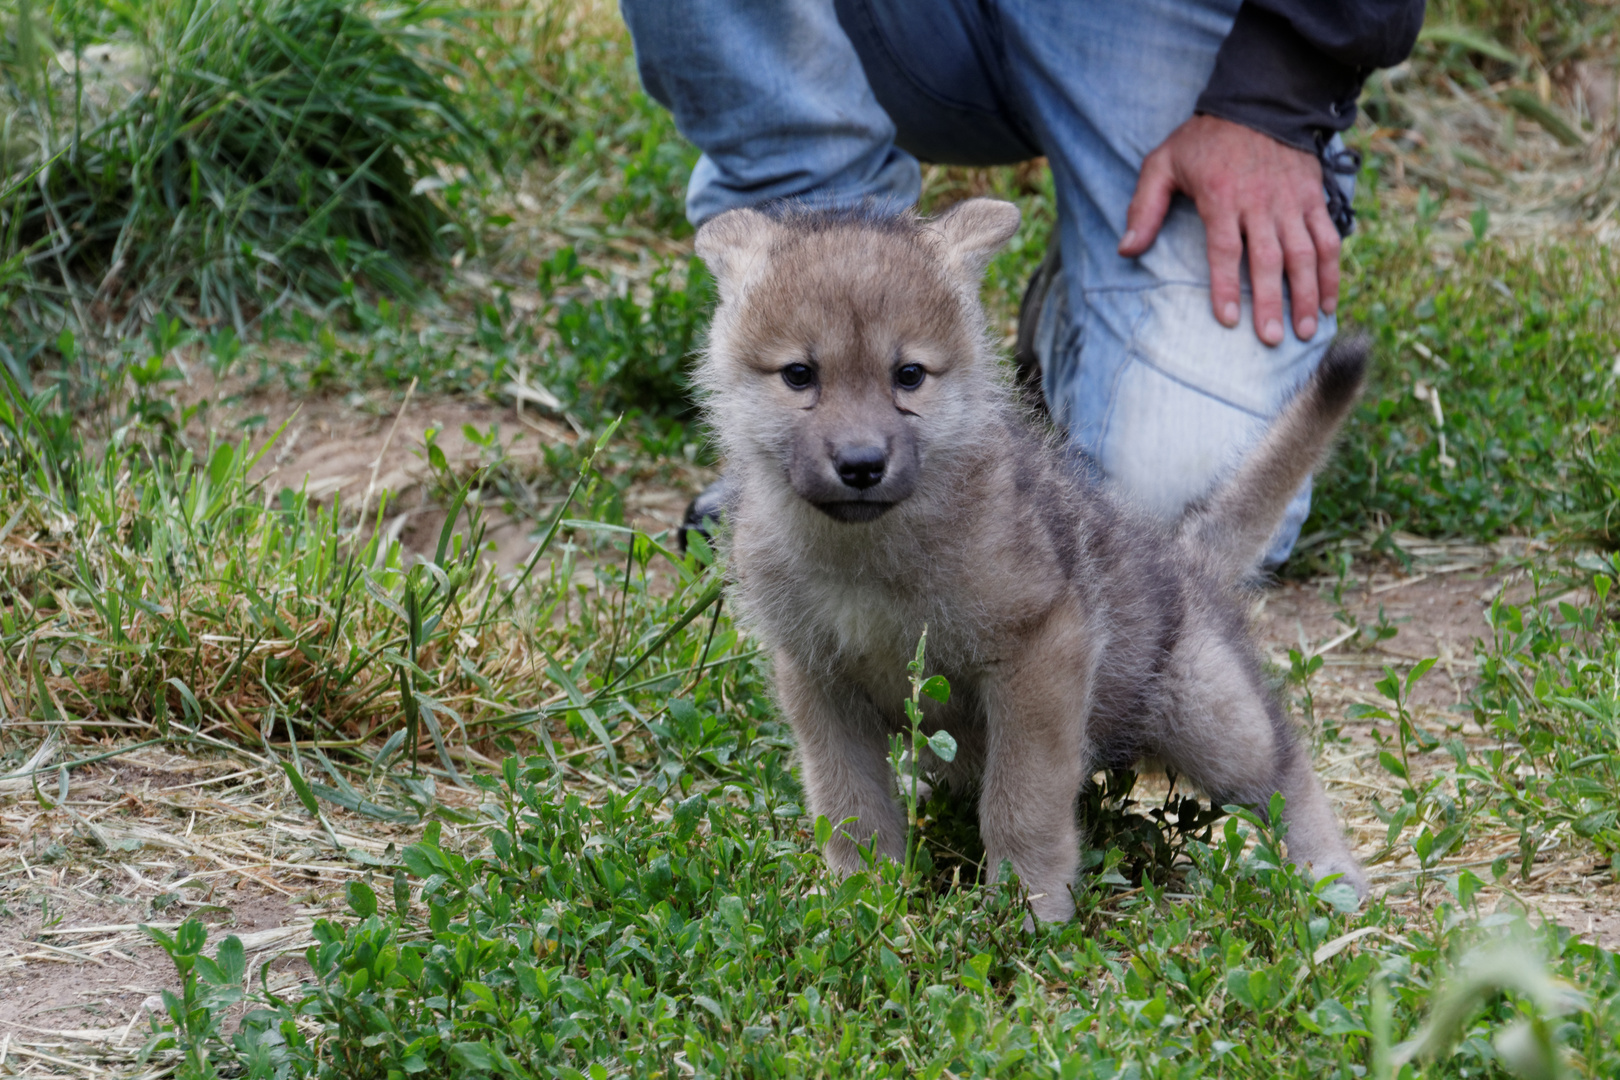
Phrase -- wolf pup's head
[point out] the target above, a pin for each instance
(848, 353)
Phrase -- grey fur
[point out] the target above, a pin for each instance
(1075, 631)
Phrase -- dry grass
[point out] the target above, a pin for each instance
(1538, 150)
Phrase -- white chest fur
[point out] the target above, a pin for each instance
(862, 620)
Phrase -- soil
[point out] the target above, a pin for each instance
(57, 990)
(356, 447)
(156, 837)
(1440, 615)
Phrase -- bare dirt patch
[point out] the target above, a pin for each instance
(355, 447)
(88, 965)
(1432, 614)
(1438, 608)
(155, 837)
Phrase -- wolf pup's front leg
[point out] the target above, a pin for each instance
(843, 761)
(1035, 764)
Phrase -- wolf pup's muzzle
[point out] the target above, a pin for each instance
(856, 480)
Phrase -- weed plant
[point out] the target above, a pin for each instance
(215, 156)
(1550, 694)
(617, 351)
(628, 937)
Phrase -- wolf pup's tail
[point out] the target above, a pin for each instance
(1235, 523)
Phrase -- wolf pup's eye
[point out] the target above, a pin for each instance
(799, 376)
(909, 376)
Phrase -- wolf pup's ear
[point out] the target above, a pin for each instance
(974, 230)
(732, 244)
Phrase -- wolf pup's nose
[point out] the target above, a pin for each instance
(861, 467)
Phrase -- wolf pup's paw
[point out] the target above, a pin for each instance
(1055, 906)
(1353, 875)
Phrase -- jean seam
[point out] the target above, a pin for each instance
(1191, 283)
(1199, 390)
(1131, 356)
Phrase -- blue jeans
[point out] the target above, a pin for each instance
(834, 101)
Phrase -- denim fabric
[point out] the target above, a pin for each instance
(834, 101)
(774, 95)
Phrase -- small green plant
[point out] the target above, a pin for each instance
(1300, 670)
(654, 174)
(208, 988)
(1126, 847)
(615, 352)
(905, 751)
(1442, 823)
(1362, 636)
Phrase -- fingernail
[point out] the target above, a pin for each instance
(1128, 239)
(1307, 328)
(1272, 332)
(1330, 305)
(1230, 313)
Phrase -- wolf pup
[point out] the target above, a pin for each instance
(883, 478)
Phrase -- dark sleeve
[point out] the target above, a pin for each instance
(1294, 68)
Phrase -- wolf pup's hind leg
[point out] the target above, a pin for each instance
(1230, 739)
(1314, 838)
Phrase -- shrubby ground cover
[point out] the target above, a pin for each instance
(604, 864)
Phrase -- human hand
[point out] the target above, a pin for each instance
(1248, 188)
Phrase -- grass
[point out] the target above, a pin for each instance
(1509, 356)
(689, 924)
(204, 613)
(214, 157)
(626, 938)
(609, 869)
